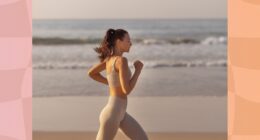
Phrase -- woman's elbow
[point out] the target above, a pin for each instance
(126, 91)
(90, 73)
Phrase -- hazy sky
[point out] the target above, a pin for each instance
(96, 9)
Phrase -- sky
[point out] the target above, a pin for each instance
(128, 9)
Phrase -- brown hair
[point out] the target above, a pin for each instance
(108, 43)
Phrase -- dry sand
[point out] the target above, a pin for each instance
(156, 114)
(120, 136)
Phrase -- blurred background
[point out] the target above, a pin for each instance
(183, 45)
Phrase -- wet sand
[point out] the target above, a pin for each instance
(165, 81)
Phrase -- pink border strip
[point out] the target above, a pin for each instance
(16, 70)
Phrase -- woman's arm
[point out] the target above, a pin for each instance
(94, 72)
(127, 84)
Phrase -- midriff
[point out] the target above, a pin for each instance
(117, 91)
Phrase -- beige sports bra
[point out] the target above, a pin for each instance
(113, 77)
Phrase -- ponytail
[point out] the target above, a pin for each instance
(108, 43)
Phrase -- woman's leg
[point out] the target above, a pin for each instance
(108, 125)
(132, 128)
(107, 132)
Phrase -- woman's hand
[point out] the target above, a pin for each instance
(138, 65)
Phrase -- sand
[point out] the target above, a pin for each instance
(155, 114)
(120, 136)
(72, 117)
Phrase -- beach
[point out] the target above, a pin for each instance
(170, 103)
(120, 136)
(161, 117)
(181, 93)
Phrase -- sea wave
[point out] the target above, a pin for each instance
(62, 41)
(214, 40)
(144, 41)
(82, 65)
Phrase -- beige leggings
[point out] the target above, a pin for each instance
(114, 116)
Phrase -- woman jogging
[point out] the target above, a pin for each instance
(121, 82)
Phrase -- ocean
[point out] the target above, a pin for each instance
(163, 45)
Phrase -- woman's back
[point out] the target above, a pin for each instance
(113, 77)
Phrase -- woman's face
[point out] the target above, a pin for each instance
(125, 44)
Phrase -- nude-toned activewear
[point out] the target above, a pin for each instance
(114, 115)
(113, 77)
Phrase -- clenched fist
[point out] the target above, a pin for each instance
(138, 65)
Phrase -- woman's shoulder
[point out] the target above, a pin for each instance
(122, 60)
(105, 60)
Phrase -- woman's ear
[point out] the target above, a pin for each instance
(118, 42)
